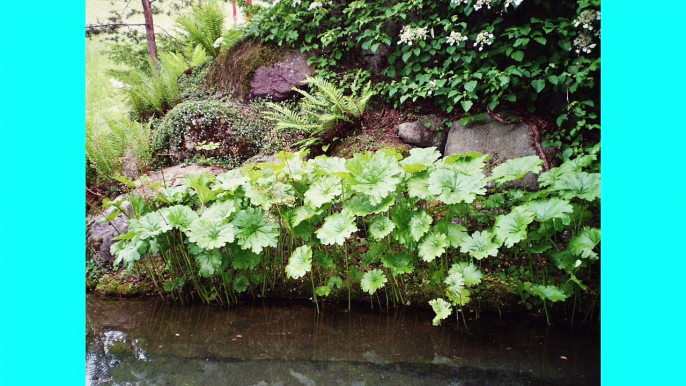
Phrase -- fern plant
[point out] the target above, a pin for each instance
(108, 139)
(322, 108)
(204, 26)
(157, 91)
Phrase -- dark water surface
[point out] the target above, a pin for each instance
(150, 342)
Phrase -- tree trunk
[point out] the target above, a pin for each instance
(150, 31)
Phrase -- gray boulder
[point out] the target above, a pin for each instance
(100, 232)
(279, 79)
(488, 136)
(425, 132)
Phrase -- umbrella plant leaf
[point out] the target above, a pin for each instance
(418, 186)
(337, 228)
(323, 191)
(254, 231)
(174, 195)
(584, 185)
(432, 246)
(420, 159)
(179, 216)
(458, 298)
(268, 191)
(219, 210)
(209, 233)
(420, 224)
(455, 282)
(455, 233)
(240, 283)
(401, 217)
(209, 262)
(516, 168)
(127, 251)
(324, 260)
(468, 164)
(149, 226)
(303, 213)
(380, 227)
(300, 262)
(334, 166)
(584, 243)
(480, 245)
(334, 282)
(373, 280)
(361, 204)
(442, 309)
(451, 186)
(374, 174)
(552, 208)
(201, 185)
(323, 291)
(398, 263)
(230, 181)
(244, 259)
(550, 292)
(470, 273)
(511, 228)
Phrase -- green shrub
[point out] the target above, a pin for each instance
(238, 129)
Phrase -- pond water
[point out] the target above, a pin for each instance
(150, 342)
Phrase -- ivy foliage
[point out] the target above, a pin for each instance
(462, 55)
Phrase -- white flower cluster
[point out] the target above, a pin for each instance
(480, 3)
(455, 38)
(297, 2)
(583, 44)
(218, 43)
(484, 37)
(116, 83)
(315, 5)
(586, 18)
(458, 2)
(409, 34)
(516, 3)
(432, 83)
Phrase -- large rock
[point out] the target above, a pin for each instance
(100, 232)
(488, 136)
(279, 79)
(425, 132)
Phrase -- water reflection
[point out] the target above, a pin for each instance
(149, 342)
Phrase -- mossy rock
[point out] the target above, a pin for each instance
(236, 132)
(231, 73)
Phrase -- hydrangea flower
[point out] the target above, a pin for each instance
(584, 44)
(315, 5)
(297, 2)
(455, 38)
(409, 34)
(481, 3)
(586, 18)
(218, 43)
(483, 38)
(432, 84)
(516, 3)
